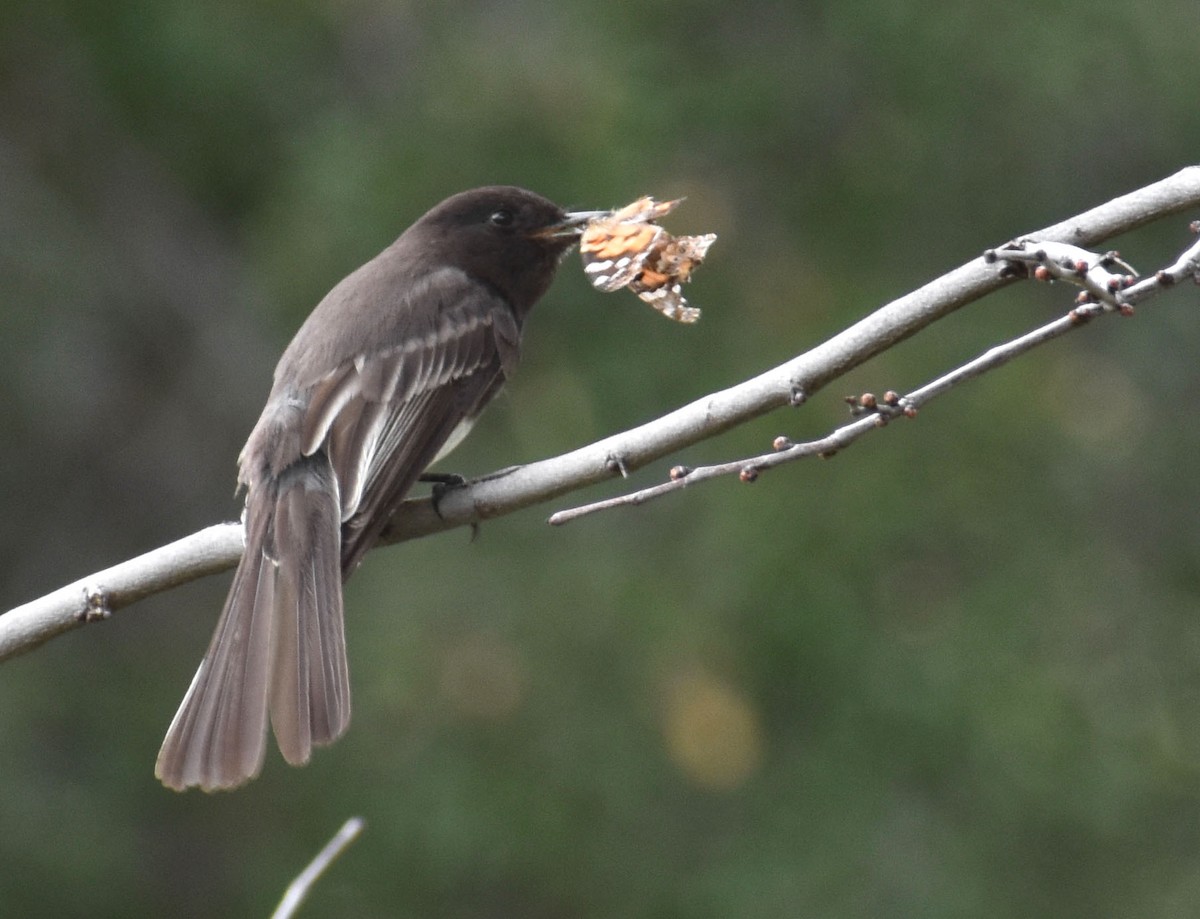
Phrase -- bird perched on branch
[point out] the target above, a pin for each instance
(384, 377)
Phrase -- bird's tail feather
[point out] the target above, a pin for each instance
(279, 643)
(310, 683)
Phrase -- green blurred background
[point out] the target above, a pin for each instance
(953, 672)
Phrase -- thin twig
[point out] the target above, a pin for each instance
(1186, 266)
(1105, 291)
(299, 889)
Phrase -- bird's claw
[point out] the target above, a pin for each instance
(443, 483)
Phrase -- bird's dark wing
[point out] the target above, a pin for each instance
(384, 416)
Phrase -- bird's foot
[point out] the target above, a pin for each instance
(443, 483)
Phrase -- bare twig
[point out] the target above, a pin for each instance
(788, 384)
(1104, 292)
(1186, 266)
(299, 889)
(1059, 261)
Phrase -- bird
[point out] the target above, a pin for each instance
(384, 378)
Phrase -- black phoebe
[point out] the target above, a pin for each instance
(384, 377)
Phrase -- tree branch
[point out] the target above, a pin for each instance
(299, 889)
(97, 596)
(789, 384)
(1104, 293)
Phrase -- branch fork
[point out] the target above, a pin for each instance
(1050, 261)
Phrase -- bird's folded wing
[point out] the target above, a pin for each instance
(384, 416)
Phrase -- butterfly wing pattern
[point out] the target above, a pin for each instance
(627, 248)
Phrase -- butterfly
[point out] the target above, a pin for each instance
(626, 248)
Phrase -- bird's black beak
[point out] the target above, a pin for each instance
(573, 223)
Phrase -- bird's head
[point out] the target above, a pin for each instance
(507, 237)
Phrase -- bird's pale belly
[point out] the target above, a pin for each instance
(455, 438)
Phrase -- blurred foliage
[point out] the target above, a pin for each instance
(953, 672)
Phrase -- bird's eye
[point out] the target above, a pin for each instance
(501, 218)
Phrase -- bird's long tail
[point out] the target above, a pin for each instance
(279, 647)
